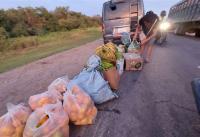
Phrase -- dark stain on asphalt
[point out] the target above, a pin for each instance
(116, 111)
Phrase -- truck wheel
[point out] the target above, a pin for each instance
(180, 30)
(198, 33)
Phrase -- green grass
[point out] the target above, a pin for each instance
(46, 45)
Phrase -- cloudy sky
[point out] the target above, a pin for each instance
(89, 7)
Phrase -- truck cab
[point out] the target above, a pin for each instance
(120, 16)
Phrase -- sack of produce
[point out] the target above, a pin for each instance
(134, 47)
(107, 52)
(38, 101)
(79, 106)
(59, 84)
(121, 48)
(48, 121)
(112, 76)
(105, 65)
(120, 66)
(133, 61)
(92, 82)
(126, 39)
(13, 122)
(55, 92)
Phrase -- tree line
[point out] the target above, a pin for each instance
(38, 21)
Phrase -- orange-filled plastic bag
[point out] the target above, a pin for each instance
(12, 123)
(39, 100)
(48, 121)
(79, 106)
(55, 92)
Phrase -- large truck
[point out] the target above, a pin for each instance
(185, 15)
(120, 16)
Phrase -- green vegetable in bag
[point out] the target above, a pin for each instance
(105, 65)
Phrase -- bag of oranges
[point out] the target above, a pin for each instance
(79, 106)
(55, 92)
(13, 122)
(48, 121)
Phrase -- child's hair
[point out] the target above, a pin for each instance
(150, 17)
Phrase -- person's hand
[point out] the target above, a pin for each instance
(154, 34)
(136, 32)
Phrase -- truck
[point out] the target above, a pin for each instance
(120, 16)
(185, 17)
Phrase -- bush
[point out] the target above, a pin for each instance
(23, 43)
(3, 37)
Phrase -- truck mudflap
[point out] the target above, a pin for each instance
(196, 91)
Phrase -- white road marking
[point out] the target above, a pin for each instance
(198, 67)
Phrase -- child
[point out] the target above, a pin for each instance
(147, 27)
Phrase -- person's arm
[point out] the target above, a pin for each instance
(147, 39)
(136, 32)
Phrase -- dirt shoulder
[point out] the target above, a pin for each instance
(19, 84)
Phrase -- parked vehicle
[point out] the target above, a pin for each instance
(120, 16)
(185, 16)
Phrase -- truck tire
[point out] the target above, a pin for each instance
(180, 30)
(198, 33)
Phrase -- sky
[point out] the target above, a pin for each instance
(88, 7)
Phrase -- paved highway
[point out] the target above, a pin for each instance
(156, 102)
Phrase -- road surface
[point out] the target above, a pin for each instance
(156, 102)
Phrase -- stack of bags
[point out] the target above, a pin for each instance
(52, 111)
(72, 100)
(90, 80)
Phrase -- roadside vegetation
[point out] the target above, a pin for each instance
(28, 34)
(24, 50)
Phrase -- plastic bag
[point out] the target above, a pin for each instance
(126, 38)
(59, 84)
(55, 92)
(42, 99)
(92, 82)
(48, 121)
(121, 48)
(120, 66)
(12, 124)
(79, 106)
(134, 47)
(107, 52)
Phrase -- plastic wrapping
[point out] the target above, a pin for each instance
(120, 66)
(12, 124)
(39, 100)
(79, 106)
(55, 92)
(59, 84)
(48, 121)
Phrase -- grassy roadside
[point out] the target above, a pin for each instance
(46, 45)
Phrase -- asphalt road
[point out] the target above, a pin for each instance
(156, 102)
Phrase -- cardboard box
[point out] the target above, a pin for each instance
(133, 61)
(112, 76)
